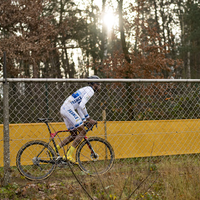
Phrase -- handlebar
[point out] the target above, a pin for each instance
(89, 128)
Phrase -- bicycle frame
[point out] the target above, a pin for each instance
(52, 135)
(90, 147)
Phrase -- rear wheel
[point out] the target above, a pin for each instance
(98, 163)
(36, 160)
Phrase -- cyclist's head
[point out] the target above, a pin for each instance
(95, 85)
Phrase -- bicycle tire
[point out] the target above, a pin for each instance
(101, 164)
(36, 160)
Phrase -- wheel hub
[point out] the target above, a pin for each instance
(94, 156)
(35, 160)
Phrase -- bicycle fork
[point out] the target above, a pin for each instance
(93, 155)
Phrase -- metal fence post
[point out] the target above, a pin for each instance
(6, 142)
(105, 127)
(104, 120)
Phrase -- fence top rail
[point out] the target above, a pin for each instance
(100, 80)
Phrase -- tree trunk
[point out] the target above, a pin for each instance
(104, 36)
(121, 29)
(188, 63)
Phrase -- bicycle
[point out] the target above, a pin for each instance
(37, 160)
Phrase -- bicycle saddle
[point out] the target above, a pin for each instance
(44, 119)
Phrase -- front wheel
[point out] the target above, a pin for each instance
(97, 162)
(36, 160)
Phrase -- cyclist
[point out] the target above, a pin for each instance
(73, 120)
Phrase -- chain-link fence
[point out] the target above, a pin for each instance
(140, 118)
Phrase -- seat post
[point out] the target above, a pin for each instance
(46, 122)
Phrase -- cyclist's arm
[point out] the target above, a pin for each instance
(83, 113)
(89, 93)
(82, 109)
(86, 118)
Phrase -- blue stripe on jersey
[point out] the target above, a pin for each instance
(71, 128)
(76, 94)
(78, 124)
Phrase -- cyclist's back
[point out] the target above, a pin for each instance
(79, 98)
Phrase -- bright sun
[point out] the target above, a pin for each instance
(109, 20)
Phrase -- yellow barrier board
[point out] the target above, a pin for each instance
(128, 138)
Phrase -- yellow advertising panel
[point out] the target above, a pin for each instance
(128, 138)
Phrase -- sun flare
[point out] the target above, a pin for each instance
(109, 20)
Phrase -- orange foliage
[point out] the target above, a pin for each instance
(27, 33)
(148, 60)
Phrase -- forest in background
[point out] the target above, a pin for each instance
(151, 39)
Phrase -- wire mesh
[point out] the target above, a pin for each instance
(139, 119)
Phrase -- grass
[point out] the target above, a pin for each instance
(156, 178)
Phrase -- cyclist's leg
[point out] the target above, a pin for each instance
(70, 118)
(68, 139)
(81, 135)
(72, 121)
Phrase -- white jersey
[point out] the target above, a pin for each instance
(80, 97)
(76, 101)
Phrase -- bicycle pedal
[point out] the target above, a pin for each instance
(67, 161)
(62, 164)
(72, 163)
(59, 159)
